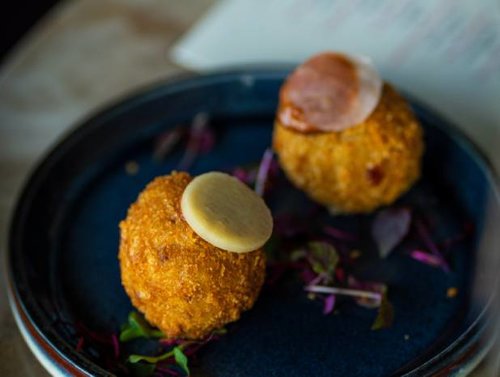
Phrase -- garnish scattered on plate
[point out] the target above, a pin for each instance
(177, 215)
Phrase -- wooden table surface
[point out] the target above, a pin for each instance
(81, 56)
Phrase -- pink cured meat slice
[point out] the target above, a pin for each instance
(329, 92)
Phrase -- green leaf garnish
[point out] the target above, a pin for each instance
(220, 331)
(175, 352)
(323, 258)
(297, 254)
(385, 315)
(181, 359)
(150, 359)
(137, 327)
(141, 369)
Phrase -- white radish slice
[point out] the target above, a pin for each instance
(226, 213)
(329, 92)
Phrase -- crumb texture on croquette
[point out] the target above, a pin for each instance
(360, 168)
(183, 285)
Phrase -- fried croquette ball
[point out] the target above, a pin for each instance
(183, 285)
(348, 168)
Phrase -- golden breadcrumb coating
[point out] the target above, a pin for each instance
(360, 168)
(183, 285)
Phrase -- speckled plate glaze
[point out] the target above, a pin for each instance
(63, 268)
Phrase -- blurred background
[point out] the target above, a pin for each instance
(62, 60)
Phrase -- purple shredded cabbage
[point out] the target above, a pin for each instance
(263, 172)
(425, 236)
(307, 275)
(339, 234)
(166, 342)
(166, 142)
(468, 230)
(80, 344)
(329, 304)
(207, 140)
(116, 345)
(162, 370)
(197, 140)
(340, 274)
(427, 258)
(245, 176)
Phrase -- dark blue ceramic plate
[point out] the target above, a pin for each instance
(63, 266)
